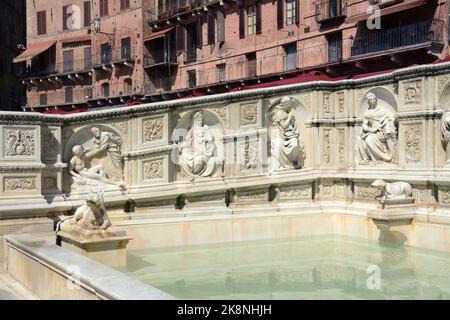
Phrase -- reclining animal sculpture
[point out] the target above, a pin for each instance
(394, 190)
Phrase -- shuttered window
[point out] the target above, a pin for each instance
(291, 11)
(180, 38)
(220, 26)
(68, 94)
(124, 4)
(66, 16)
(87, 58)
(258, 17)
(280, 14)
(251, 20)
(87, 13)
(241, 23)
(103, 8)
(41, 22)
(211, 29)
(68, 60)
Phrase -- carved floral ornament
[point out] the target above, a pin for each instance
(153, 129)
(19, 142)
(154, 169)
(19, 184)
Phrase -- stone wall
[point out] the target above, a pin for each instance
(238, 152)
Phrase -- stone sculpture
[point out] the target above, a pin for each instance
(287, 149)
(90, 216)
(445, 134)
(80, 172)
(378, 134)
(198, 152)
(106, 146)
(394, 190)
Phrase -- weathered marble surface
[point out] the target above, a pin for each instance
(327, 140)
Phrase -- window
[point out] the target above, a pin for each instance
(128, 87)
(66, 16)
(251, 20)
(87, 58)
(291, 11)
(68, 94)
(126, 48)
(251, 64)
(68, 61)
(106, 53)
(43, 99)
(290, 57)
(192, 79)
(87, 13)
(105, 90)
(221, 72)
(103, 8)
(124, 4)
(334, 47)
(41, 23)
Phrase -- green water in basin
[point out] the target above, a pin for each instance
(305, 268)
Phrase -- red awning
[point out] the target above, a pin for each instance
(158, 34)
(79, 38)
(33, 50)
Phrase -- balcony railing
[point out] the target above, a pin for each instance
(171, 8)
(398, 37)
(327, 10)
(67, 67)
(159, 58)
(114, 56)
(59, 97)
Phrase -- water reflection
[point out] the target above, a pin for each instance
(314, 268)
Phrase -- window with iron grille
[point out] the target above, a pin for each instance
(68, 61)
(105, 90)
(221, 72)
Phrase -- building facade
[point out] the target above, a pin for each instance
(153, 50)
(12, 33)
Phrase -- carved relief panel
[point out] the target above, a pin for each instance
(154, 169)
(20, 143)
(50, 143)
(153, 130)
(249, 115)
(412, 94)
(20, 183)
(413, 141)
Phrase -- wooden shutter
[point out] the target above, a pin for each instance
(200, 33)
(87, 13)
(280, 14)
(297, 12)
(211, 29)
(41, 22)
(65, 17)
(241, 23)
(180, 35)
(258, 17)
(220, 26)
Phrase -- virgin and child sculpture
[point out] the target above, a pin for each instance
(198, 151)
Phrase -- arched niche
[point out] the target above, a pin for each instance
(215, 126)
(300, 112)
(444, 99)
(83, 136)
(385, 98)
